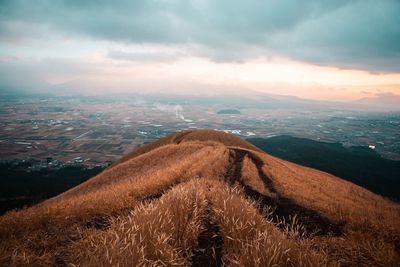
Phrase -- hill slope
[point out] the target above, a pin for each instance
(205, 198)
(360, 165)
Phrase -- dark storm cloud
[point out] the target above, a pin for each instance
(356, 34)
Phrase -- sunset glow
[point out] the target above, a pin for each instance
(197, 49)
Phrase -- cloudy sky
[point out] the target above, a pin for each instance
(333, 49)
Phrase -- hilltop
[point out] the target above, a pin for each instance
(205, 198)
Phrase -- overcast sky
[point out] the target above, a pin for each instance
(338, 50)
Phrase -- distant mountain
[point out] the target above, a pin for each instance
(387, 101)
(228, 100)
(231, 111)
(360, 165)
(205, 198)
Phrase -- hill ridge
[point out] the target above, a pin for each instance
(205, 198)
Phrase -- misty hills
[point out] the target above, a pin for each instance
(384, 101)
(205, 198)
(232, 99)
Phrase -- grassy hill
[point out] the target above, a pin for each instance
(205, 198)
(360, 165)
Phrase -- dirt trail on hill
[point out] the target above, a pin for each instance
(210, 243)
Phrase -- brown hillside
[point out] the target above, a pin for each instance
(205, 198)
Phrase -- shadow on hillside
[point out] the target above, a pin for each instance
(283, 209)
(179, 137)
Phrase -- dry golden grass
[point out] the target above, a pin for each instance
(156, 233)
(250, 239)
(70, 211)
(144, 149)
(368, 218)
(337, 197)
(250, 177)
(152, 207)
(220, 137)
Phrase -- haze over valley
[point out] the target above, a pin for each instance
(95, 130)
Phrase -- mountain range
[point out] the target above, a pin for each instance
(384, 102)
